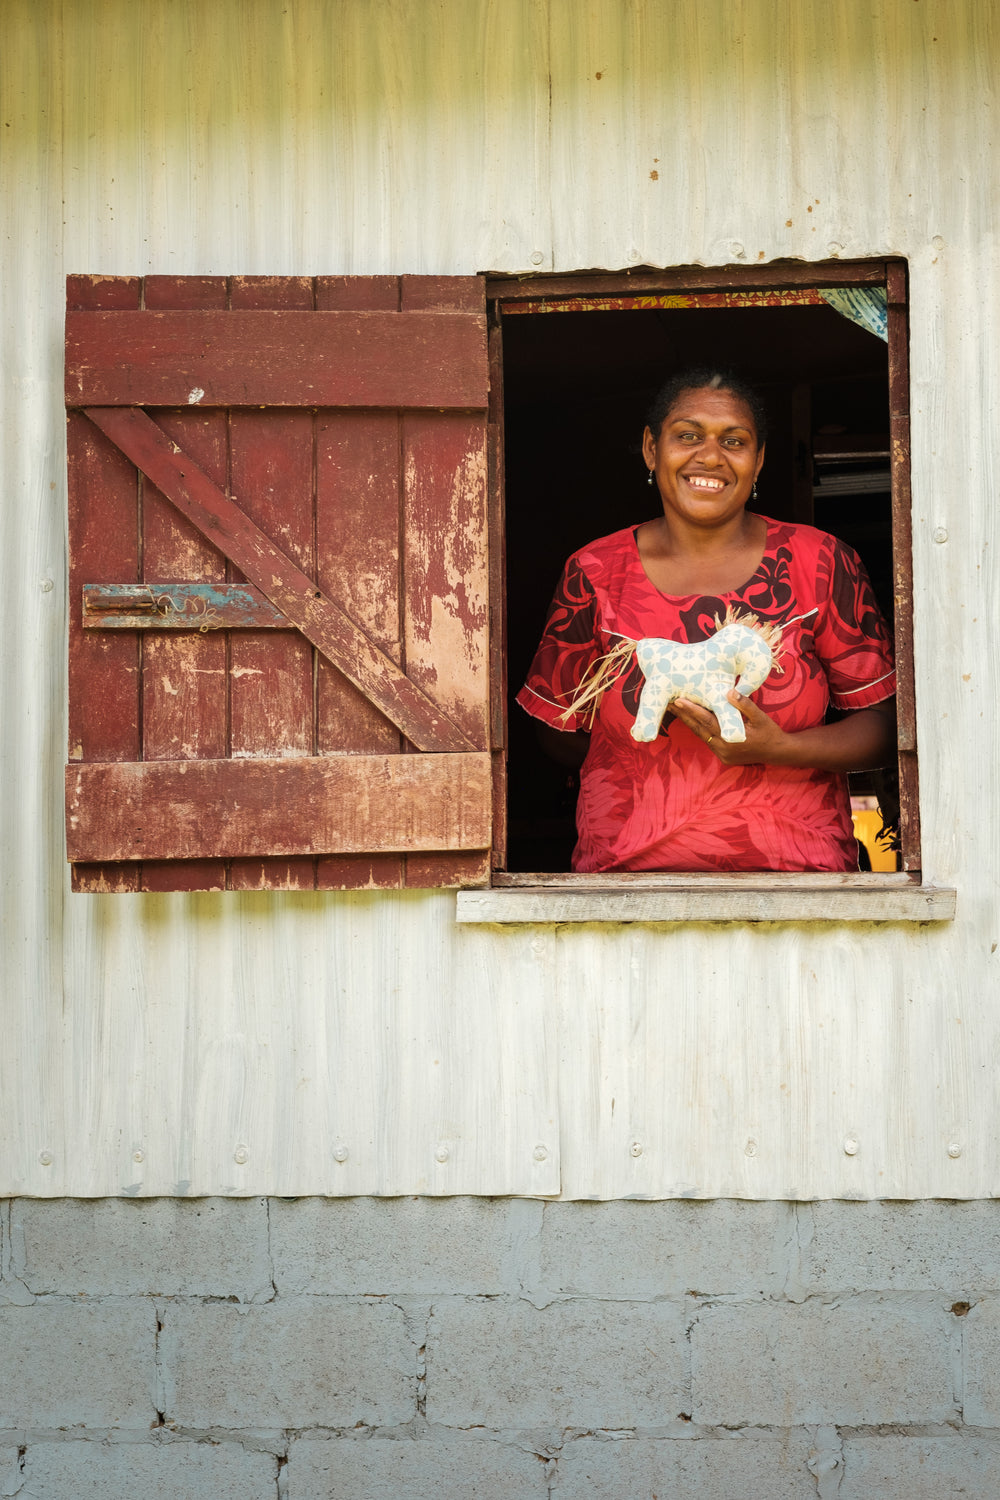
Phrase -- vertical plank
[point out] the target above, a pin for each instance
(103, 293)
(446, 638)
(446, 584)
(92, 879)
(103, 547)
(358, 561)
(357, 526)
(460, 867)
(184, 676)
(271, 672)
(497, 542)
(167, 293)
(902, 559)
(357, 293)
(442, 293)
(104, 683)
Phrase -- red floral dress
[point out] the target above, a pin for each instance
(672, 805)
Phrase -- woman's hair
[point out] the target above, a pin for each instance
(695, 380)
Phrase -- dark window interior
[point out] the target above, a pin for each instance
(576, 387)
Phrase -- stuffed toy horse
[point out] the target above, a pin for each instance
(704, 672)
(742, 653)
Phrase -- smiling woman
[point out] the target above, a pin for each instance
(690, 799)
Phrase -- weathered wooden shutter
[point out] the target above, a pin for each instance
(279, 623)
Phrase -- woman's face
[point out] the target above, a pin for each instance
(706, 456)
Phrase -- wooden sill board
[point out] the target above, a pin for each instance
(708, 898)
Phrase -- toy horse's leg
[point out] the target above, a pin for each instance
(652, 707)
(653, 658)
(752, 678)
(754, 665)
(731, 726)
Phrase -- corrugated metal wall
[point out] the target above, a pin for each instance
(149, 1044)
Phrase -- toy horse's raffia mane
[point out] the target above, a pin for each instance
(609, 667)
(769, 634)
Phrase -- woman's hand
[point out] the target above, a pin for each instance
(860, 741)
(765, 743)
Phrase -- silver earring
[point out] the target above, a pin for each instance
(753, 492)
(649, 477)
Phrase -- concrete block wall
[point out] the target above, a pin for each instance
(446, 1349)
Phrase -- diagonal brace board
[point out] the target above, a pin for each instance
(321, 621)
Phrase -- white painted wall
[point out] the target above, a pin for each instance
(456, 136)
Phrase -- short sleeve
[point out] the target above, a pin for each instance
(567, 649)
(852, 637)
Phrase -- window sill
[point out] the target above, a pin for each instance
(763, 897)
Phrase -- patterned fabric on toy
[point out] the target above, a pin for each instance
(742, 653)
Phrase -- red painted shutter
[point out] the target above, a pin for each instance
(279, 624)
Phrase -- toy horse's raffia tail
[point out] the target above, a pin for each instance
(598, 678)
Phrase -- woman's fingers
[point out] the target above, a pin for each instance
(747, 708)
(761, 731)
(762, 734)
(701, 720)
(703, 723)
(764, 740)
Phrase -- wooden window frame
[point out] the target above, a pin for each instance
(763, 896)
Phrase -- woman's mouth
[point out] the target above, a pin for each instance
(705, 482)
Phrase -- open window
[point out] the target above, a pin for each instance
(580, 357)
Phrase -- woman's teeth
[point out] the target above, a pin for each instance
(705, 484)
